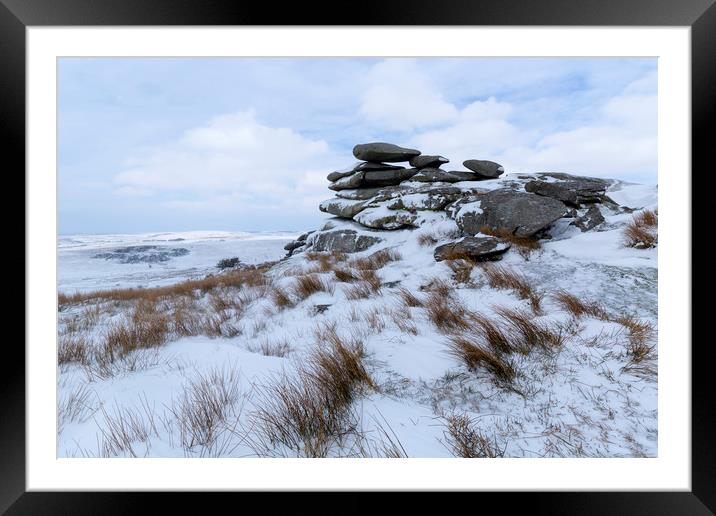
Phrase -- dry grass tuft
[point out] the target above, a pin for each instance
(642, 231)
(345, 275)
(281, 299)
(144, 329)
(72, 349)
(409, 299)
(578, 308)
(376, 260)
(506, 278)
(310, 412)
(528, 332)
(308, 285)
(371, 278)
(639, 335)
(272, 348)
(357, 291)
(402, 319)
(475, 355)
(427, 240)
(207, 402)
(445, 313)
(465, 440)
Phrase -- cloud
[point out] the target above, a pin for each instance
(400, 96)
(231, 163)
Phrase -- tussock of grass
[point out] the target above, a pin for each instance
(371, 278)
(465, 440)
(642, 231)
(409, 299)
(281, 299)
(446, 314)
(506, 278)
(639, 335)
(530, 333)
(309, 413)
(376, 260)
(72, 349)
(578, 308)
(272, 347)
(345, 275)
(361, 290)
(308, 285)
(427, 240)
(474, 354)
(207, 402)
(143, 330)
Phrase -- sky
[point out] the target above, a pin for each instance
(245, 144)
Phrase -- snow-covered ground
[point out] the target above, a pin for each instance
(584, 399)
(80, 270)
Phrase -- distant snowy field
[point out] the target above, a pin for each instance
(80, 270)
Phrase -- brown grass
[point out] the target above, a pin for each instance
(578, 308)
(465, 440)
(310, 412)
(308, 285)
(506, 278)
(72, 350)
(345, 275)
(409, 299)
(402, 319)
(207, 402)
(281, 299)
(272, 348)
(357, 291)
(146, 328)
(525, 246)
(642, 231)
(371, 278)
(427, 240)
(639, 335)
(530, 333)
(475, 355)
(376, 260)
(445, 314)
(189, 288)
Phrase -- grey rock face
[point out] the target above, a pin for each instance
(379, 151)
(342, 240)
(573, 190)
(372, 178)
(435, 199)
(427, 161)
(355, 180)
(361, 165)
(380, 218)
(434, 175)
(589, 220)
(522, 214)
(142, 254)
(477, 248)
(484, 168)
(344, 208)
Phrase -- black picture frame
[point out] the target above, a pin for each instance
(17, 15)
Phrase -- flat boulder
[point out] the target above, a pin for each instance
(478, 248)
(379, 151)
(572, 190)
(522, 214)
(355, 180)
(344, 208)
(373, 178)
(342, 240)
(427, 161)
(380, 217)
(483, 168)
(430, 199)
(358, 166)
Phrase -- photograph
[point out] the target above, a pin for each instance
(357, 257)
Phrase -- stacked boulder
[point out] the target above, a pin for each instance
(376, 194)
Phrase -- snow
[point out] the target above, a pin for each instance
(580, 401)
(79, 271)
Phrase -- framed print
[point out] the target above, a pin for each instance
(443, 252)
